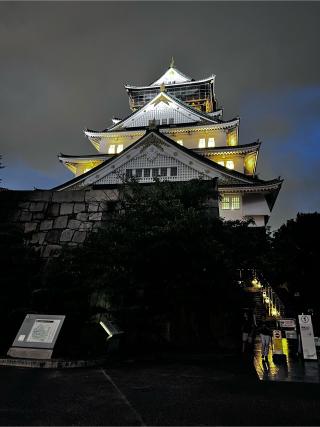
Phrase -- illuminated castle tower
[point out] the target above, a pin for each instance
(176, 133)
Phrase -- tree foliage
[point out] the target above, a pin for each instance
(161, 254)
(295, 258)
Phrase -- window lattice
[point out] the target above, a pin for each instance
(181, 173)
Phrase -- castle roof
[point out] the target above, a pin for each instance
(229, 176)
(172, 77)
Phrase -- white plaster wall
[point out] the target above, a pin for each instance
(192, 140)
(255, 204)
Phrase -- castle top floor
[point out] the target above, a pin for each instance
(199, 94)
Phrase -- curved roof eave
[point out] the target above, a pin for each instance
(132, 87)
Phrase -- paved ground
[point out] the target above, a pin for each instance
(288, 367)
(197, 391)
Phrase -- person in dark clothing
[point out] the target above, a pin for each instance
(266, 339)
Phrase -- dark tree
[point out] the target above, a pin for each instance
(295, 260)
(162, 265)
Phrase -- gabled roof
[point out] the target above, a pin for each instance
(209, 79)
(172, 75)
(234, 176)
(164, 106)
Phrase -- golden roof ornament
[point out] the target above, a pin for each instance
(172, 62)
(162, 87)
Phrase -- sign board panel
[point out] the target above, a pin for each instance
(39, 331)
(307, 337)
(317, 341)
(287, 323)
(277, 342)
(292, 335)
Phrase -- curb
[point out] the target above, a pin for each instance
(51, 363)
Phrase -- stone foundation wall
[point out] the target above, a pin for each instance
(52, 219)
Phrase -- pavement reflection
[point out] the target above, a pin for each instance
(288, 367)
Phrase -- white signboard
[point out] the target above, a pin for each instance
(307, 337)
(43, 330)
(287, 323)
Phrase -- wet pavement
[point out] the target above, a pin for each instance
(289, 367)
(205, 389)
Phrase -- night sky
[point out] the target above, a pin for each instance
(63, 67)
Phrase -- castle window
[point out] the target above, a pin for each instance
(230, 202)
(171, 121)
(112, 149)
(163, 171)
(173, 171)
(146, 173)
(119, 148)
(180, 141)
(129, 173)
(164, 121)
(202, 143)
(211, 142)
(235, 202)
(138, 173)
(155, 172)
(230, 164)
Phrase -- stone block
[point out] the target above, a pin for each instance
(30, 227)
(82, 216)
(24, 205)
(100, 195)
(38, 238)
(42, 237)
(72, 244)
(54, 209)
(103, 206)
(53, 236)
(51, 251)
(38, 215)
(95, 216)
(96, 225)
(36, 206)
(46, 224)
(68, 196)
(66, 208)
(40, 195)
(85, 226)
(60, 222)
(93, 207)
(79, 207)
(66, 235)
(79, 236)
(25, 216)
(74, 224)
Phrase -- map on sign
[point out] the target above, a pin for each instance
(43, 330)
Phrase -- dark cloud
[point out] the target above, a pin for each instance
(63, 66)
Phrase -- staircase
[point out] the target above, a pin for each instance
(263, 299)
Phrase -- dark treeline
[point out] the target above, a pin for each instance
(162, 267)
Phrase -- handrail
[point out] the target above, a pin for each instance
(271, 300)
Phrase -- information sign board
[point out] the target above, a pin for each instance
(307, 337)
(37, 336)
(287, 323)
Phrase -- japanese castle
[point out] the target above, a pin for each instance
(176, 132)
